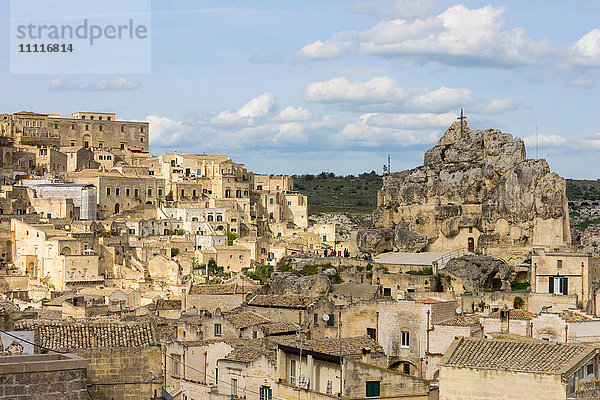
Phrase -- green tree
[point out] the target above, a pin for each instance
(174, 251)
(231, 236)
(518, 302)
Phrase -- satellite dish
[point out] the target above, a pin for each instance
(325, 317)
(458, 310)
(67, 227)
(303, 381)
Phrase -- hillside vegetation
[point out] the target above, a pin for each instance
(328, 193)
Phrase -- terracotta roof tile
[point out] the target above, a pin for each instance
(352, 346)
(573, 316)
(524, 356)
(65, 336)
(514, 314)
(246, 319)
(462, 320)
(281, 301)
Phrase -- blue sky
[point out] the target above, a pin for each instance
(309, 86)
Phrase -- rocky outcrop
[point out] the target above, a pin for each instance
(283, 283)
(400, 238)
(478, 272)
(474, 186)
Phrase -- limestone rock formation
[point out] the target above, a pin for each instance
(478, 272)
(476, 189)
(288, 283)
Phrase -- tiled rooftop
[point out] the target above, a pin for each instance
(279, 327)
(573, 316)
(500, 354)
(221, 289)
(246, 319)
(462, 320)
(351, 346)
(281, 301)
(514, 314)
(163, 304)
(65, 336)
(249, 350)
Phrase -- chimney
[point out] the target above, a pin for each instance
(505, 320)
(366, 355)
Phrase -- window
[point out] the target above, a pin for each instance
(387, 292)
(292, 372)
(55, 126)
(406, 368)
(266, 393)
(219, 218)
(254, 335)
(122, 128)
(122, 146)
(216, 375)
(331, 320)
(100, 127)
(258, 187)
(270, 215)
(92, 117)
(149, 192)
(72, 143)
(142, 129)
(126, 192)
(117, 190)
(217, 329)
(558, 285)
(289, 203)
(271, 200)
(87, 127)
(159, 192)
(324, 238)
(72, 127)
(108, 118)
(100, 118)
(108, 191)
(558, 264)
(136, 192)
(316, 319)
(372, 333)
(373, 388)
(234, 387)
(405, 339)
(175, 359)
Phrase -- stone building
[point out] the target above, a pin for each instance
(125, 361)
(351, 368)
(90, 130)
(118, 191)
(83, 196)
(502, 369)
(42, 376)
(561, 273)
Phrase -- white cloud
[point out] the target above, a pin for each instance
(165, 131)
(363, 132)
(335, 47)
(496, 106)
(339, 90)
(292, 113)
(412, 121)
(586, 51)
(546, 140)
(257, 107)
(102, 84)
(384, 94)
(115, 84)
(61, 84)
(442, 99)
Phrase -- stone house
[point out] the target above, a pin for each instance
(231, 258)
(118, 191)
(210, 297)
(501, 369)
(402, 327)
(567, 326)
(351, 368)
(560, 273)
(79, 158)
(518, 322)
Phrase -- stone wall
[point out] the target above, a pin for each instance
(123, 372)
(588, 390)
(481, 384)
(43, 376)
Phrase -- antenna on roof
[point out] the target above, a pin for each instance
(537, 142)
